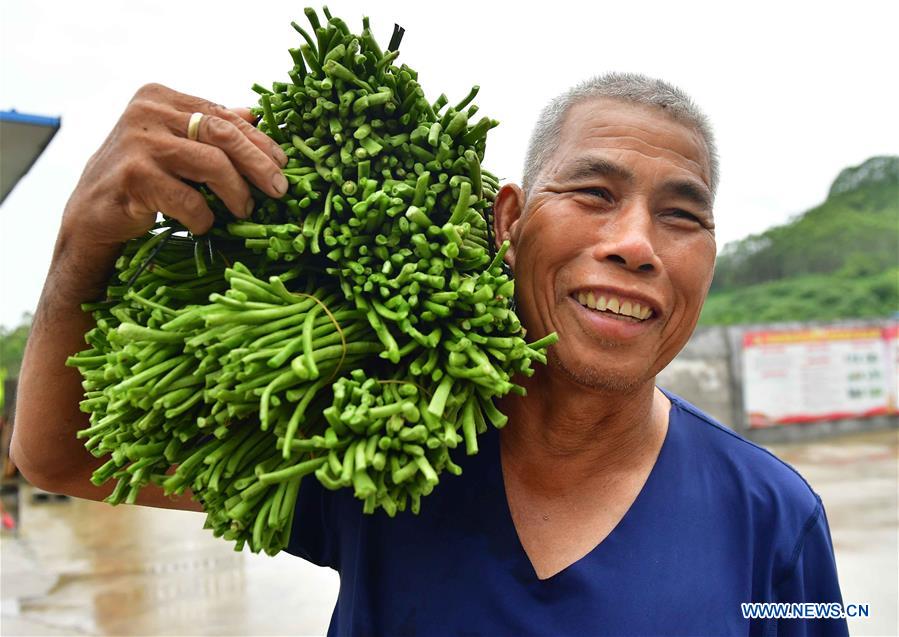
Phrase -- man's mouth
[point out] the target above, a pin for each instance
(616, 307)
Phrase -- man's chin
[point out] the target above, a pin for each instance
(603, 379)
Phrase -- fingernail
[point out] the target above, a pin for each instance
(279, 183)
(248, 209)
(279, 156)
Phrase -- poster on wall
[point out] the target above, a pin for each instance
(891, 342)
(804, 375)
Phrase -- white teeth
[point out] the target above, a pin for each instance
(613, 305)
(640, 312)
(624, 308)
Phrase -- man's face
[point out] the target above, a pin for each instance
(620, 219)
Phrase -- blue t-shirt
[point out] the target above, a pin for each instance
(720, 521)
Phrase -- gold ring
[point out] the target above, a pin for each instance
(193, 126)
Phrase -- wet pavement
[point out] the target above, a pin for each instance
(85, 568)
(857, 478)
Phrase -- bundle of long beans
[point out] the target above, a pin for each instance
(358, 329)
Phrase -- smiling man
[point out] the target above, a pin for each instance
(613, 248)
(637, 512)
(606, 506)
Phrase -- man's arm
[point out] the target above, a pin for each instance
(137, 171)
(812, 579)
(44, 446)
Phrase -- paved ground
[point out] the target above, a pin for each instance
(857, 478)
(83, 568)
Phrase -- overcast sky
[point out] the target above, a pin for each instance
(796, 91)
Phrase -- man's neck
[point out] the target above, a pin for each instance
(563, 434)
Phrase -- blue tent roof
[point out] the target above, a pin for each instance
(23, 138)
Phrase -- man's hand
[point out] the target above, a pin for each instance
(139, 168)
(138, 171)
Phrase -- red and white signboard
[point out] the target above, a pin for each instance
(891, 342)
(813, 374)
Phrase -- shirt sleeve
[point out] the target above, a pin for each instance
(813, 579)
(310, 536)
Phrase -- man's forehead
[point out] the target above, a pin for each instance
(611, 111)
(617, 124)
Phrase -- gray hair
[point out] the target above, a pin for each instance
(628, 87)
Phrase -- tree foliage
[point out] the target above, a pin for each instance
(837, 260)
(814, 297)
(12, 346)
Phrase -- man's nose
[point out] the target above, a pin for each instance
(627, 240)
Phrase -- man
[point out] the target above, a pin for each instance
(605, 506)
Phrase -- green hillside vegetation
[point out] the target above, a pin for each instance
(813, 297)
(838, 260)
(12, 347)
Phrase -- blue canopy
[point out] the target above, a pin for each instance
(22, 140)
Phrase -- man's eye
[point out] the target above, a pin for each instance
(601, 193)
(683, 214)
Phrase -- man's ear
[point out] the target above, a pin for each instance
(507, 210)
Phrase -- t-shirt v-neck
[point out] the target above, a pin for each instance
(495, 474)
(718, 522)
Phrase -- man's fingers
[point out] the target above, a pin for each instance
(241, 120)
(245, 114)
(256, 136)
(210, 165)
(171, 196)
(247, 158)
